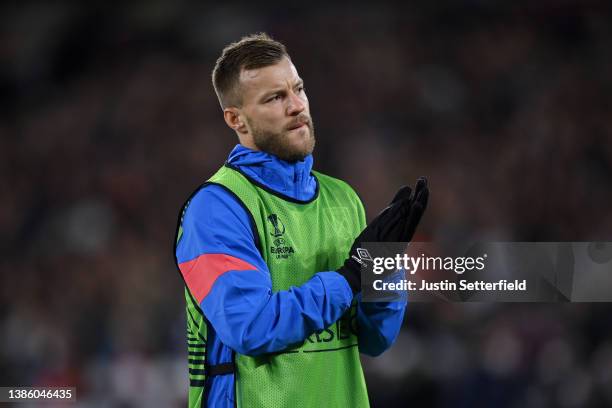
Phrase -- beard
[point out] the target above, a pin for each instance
(288, 145)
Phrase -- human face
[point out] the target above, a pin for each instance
(276, 111)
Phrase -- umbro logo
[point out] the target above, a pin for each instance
(363, 256)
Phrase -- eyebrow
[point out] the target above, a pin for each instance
(300, 82)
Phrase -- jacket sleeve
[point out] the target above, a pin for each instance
(226, 274)
(379, 322)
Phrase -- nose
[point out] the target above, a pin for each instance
(296, 104)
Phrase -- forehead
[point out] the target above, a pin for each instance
(260, 80)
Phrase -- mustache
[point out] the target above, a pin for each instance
(301, 119)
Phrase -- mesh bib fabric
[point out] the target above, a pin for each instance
(297, 240)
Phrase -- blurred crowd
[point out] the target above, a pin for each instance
(108, 122)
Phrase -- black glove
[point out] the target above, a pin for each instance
(396, 223)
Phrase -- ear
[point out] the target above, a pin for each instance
(233, 119)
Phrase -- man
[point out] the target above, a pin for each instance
(267, 248)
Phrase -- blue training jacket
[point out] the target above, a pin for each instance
(242, 309)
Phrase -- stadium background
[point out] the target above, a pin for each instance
(109, 121)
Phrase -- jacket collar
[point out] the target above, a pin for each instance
(290, 179)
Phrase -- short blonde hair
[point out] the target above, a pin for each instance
(251, 52)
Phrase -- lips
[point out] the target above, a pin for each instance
(297, 125)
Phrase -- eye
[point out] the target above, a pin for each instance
(301, 88)
(274, 98)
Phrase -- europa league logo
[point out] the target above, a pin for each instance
(279, 227)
